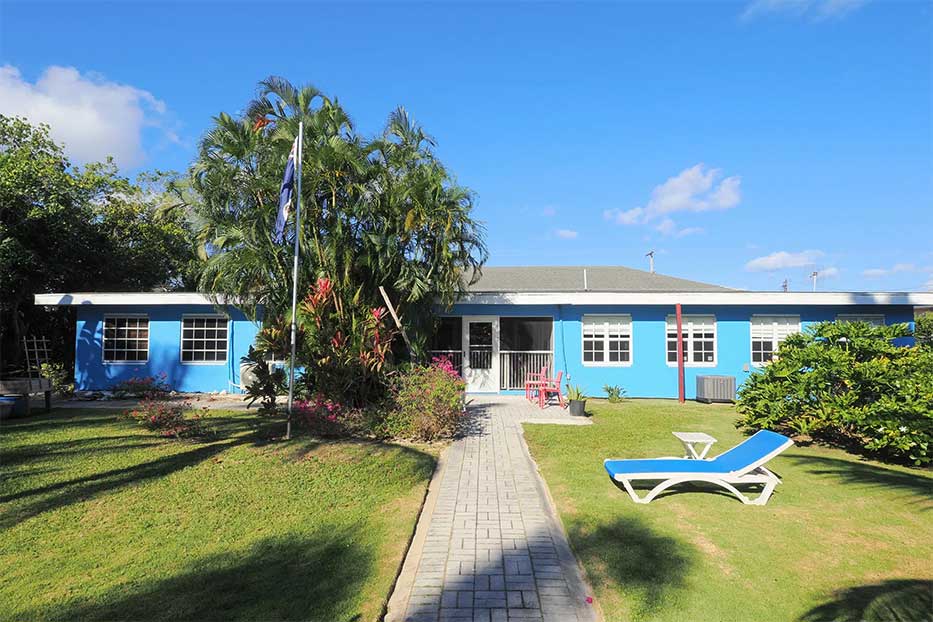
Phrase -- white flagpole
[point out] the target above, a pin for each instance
(291, 363)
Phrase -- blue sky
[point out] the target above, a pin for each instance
(745, 142)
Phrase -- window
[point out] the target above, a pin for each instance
(607, 340)
(768, 331)
(699, 334)
(204, 339)
(126, 339)
(525, 334)
(875, 319)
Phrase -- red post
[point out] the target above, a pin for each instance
(680, 355)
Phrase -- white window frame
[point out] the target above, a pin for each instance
(877, 319)
(776, 338)
(687, 323)
(203, 316)
(103, 337)
(606, 319)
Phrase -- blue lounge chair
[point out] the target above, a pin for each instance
(741, 465)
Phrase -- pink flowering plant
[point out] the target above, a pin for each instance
(143, 386)
(344, 345)
(169, 419)
(327, 418)
(426, 402)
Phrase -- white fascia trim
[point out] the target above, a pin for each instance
(700, 298)
(128, 298)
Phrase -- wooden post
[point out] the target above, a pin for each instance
(680, 355)
(398, 323)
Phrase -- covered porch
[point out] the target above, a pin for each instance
(496, 353)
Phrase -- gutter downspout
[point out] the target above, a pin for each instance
(680, 354)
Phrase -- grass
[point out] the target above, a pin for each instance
(842, 538)
(101, 519)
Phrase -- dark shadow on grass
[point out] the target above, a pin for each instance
(285, 578)
(897, 600)
(228, 433)
(62, 449)
(870, 476)
(634, 556)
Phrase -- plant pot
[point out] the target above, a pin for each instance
(578, 408)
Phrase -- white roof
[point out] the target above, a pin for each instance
(552, 298)
(124, 298)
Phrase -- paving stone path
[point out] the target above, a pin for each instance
(488, 545)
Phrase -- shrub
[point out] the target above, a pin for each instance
(143, 386)
(268, 385)
(426, 403)
(614, 394)
(169, 418)
(923, 330)
(343, 346)
(848, 383)
(327, 418)
(62, 379)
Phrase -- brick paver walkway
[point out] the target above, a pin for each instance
(488, 545)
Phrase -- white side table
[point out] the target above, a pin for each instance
(693, 441)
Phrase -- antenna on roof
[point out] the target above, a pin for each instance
(650, 256)
(813, 276)
(785, 284)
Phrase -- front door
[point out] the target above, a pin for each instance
(481, 354)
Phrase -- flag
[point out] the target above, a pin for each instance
(286, 193)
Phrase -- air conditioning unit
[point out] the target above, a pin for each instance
(715, 389)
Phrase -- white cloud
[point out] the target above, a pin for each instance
(93, 117)
(549, 211)
(929, 285)
(692, 190)
(875, 273)
(566, 234)
(782, 260)
(814, 9)
(669, 227)
(623, 217)
(828, 273)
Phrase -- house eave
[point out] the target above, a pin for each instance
(125, 299)
(725, 298)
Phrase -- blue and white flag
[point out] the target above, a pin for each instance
(286, 193)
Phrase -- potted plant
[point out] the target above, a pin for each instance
(577, 400)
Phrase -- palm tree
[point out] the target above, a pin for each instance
(382, 212)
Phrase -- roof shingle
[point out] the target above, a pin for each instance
(571, 279)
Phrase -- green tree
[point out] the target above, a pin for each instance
(375, 212)
(76, 229)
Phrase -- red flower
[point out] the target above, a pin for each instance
(260, 123)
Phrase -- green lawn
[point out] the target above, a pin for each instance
(101, 519)
(839, 535)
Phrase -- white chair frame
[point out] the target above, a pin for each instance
(754, 473)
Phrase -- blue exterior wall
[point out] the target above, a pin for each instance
(93, 374)
(649, 374)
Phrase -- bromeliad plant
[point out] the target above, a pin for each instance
(344, 345)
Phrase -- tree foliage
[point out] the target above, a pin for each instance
(380, 211)
(848, 382)
(64, 228)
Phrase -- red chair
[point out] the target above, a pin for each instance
(551, 387)
(533, 380)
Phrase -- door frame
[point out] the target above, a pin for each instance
(465, 345)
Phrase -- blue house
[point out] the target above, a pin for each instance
(599, 325)
(183, 335)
